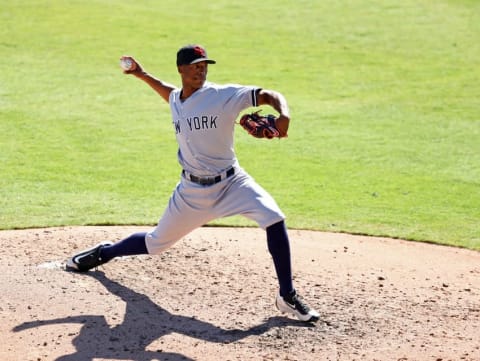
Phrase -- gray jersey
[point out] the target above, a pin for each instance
(204, 125)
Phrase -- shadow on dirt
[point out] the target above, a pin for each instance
(144, 323)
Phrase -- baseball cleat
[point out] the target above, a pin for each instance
(294, 305)
(86, 260)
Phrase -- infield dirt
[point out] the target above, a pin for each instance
(211, 297)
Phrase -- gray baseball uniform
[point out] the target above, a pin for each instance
(212, 185)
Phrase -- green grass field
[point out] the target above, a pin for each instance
(385, 132)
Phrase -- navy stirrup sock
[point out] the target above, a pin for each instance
(279, 247)
(130, 246)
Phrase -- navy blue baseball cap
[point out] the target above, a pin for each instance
(191, 54)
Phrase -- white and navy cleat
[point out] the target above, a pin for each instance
(294, 305)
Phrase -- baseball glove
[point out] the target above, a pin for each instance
(260, 126)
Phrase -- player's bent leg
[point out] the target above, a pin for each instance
(248, 198)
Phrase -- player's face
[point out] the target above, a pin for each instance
(194, 75)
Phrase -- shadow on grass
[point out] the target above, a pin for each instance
(144, 322)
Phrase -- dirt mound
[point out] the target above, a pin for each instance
(211, 296)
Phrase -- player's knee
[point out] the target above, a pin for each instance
(156, 244)
(277, 231)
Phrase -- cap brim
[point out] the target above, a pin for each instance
(209, 61)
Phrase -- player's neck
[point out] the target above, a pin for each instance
(186, 92)
(188, 89)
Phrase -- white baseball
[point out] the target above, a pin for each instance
(127, 64)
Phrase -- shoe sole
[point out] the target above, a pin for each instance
(72, 267)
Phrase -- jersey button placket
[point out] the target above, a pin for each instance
(191, 149)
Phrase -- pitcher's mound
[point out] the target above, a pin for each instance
(211, 297)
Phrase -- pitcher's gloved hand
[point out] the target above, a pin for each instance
(260, 126)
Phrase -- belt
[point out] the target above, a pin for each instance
(208, 181)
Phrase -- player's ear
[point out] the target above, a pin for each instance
(180, 68)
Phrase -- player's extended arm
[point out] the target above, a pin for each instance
(162, 88)
(278, 102)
